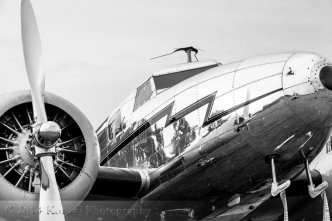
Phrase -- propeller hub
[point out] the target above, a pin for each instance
(48, 134)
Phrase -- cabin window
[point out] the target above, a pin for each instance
(110, 131)
(143, 94)
(114, 125)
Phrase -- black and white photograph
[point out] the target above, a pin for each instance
(165, 110)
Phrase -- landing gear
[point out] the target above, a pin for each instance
(275, 187)
(315, 191)
(326, 211)
(284, 203)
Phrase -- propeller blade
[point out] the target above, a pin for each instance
(33, 60)
(49, 197)
(49, 201)
(246, 108)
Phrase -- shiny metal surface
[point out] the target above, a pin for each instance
(184, 99)
(264, 78)
(257, 89)
(315, 75)
(227, 154)
(48, 134)
(306, 96)
(222, 103)
(145, 182)
(297, 69)
(142, 114)
(250, 75)
(264, 59)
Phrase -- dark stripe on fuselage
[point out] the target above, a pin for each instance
(166, 111)
(220, 115)
(171, 119)
(205, 100)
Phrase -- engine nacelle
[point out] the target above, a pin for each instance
(76, 163)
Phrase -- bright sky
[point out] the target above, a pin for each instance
(96, 52)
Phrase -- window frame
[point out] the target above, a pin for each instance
(147, 98)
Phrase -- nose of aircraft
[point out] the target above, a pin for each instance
(307, 85)
(325, 77)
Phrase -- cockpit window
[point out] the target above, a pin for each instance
(110, 131)
(114, 125)
(143, 94)
(170, 76)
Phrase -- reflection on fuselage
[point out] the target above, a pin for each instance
(153, 135)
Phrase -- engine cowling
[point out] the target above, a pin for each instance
(76, 162)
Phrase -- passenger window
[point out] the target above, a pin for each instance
(114, 125)
(143, 94)
(110, 131)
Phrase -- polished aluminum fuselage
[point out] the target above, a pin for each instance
(289, 109)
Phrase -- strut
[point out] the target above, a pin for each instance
(313, 191)
(326, 211)
(284, 203)
(275, 187)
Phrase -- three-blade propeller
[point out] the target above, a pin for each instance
(49, 199)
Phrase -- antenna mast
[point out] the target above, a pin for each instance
(187, 50)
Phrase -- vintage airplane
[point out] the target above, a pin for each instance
(212, 141)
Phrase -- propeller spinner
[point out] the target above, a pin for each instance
(46, 134)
